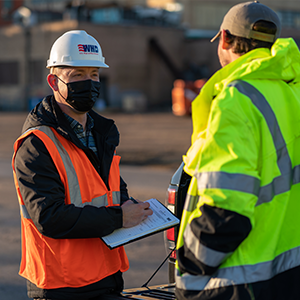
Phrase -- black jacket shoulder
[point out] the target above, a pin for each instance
(40, 184)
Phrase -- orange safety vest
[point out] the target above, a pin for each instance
(55, 263)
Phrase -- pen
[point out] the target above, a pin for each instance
(133, 200)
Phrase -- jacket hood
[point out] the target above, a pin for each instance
(48, 113)
(42, 114)
(281, 62)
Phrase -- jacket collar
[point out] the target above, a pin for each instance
(48, 113)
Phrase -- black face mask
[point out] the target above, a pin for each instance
(82, 95)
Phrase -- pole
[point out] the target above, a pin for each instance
(27, 51)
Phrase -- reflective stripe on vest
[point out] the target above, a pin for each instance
(24, 211)
(204, 254)
(240, 274)
(249, 184)
(190, 202)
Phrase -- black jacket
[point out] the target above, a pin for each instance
(44, 194)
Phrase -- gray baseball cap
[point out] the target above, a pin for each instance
(240, 19)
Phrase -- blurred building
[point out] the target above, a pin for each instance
(7, 7)
(207, 14)
(148, 44)
(204, 14)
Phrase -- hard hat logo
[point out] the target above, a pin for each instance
(88, 49)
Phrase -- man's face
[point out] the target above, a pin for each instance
(72, 74)
(77, 73)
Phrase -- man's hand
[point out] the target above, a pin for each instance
(133, 214)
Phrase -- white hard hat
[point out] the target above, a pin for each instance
(76, 48)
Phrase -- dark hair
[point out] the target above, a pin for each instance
(242, 45)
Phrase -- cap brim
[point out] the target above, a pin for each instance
(216, 36)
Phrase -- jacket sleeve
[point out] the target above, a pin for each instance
(44, 197)
(123, 190)
(226, 182)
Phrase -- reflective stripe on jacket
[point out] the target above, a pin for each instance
(239, 224)
(54, 263)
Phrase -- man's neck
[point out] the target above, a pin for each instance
(79, 117)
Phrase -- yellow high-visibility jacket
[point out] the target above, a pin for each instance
(240, 235)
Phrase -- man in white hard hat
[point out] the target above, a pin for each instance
(239, 236)
(68, 182)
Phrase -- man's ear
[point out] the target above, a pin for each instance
(52, 81)
(224, 40)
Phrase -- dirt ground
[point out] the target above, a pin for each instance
(158, 139)
(153, 139)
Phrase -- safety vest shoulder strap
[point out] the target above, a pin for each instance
(69, 161)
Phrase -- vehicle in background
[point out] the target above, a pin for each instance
(176, 194)
(175, 199)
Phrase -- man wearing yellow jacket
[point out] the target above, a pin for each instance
(239, 236)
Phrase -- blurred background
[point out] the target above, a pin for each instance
(159, 56)
(158, 51)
